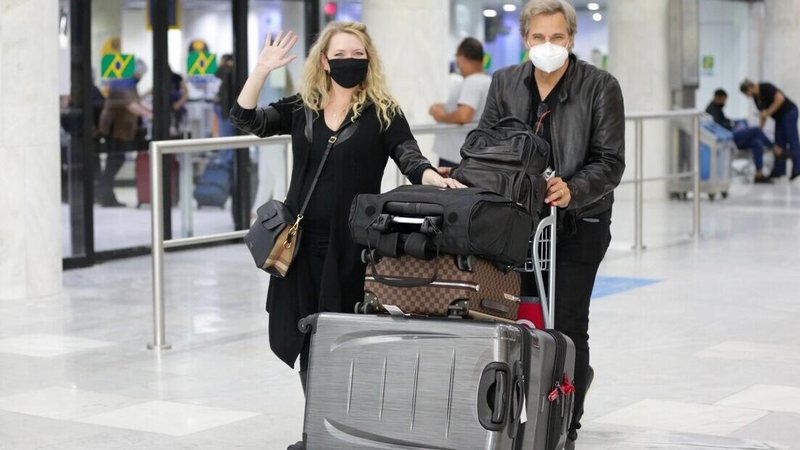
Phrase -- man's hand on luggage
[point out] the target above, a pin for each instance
(444, 171)
(558, 193)
(432, 178)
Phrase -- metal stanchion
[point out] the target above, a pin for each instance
(639, 186)
(156, 200)
(696, 177)
(187, 183)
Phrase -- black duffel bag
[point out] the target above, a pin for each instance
(470, 221)
(507, 158)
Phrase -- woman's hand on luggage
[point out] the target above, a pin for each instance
(275, 52)
(558, 193)
(432, 178)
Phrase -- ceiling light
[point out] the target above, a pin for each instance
(597, 17)
(593, 6)
(509, 7)
(489, 13)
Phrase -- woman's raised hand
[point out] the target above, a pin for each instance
(275, 52)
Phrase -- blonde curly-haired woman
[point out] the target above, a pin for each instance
(343, 88)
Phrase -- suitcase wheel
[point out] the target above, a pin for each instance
(369, 256)
(464, 263)
(306, 324)
(370, 305)
(458, 309)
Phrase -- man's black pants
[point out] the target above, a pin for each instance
(581, 245)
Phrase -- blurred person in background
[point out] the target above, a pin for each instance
(178, 96)
(745, 137)
(771, 101)
(226, 96)
(119, 124)
(465, 101)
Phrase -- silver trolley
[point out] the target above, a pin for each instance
(542, 258)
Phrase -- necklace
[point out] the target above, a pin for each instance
(339, 111)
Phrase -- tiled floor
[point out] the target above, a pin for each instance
(694, 345)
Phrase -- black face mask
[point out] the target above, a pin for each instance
(350, 72)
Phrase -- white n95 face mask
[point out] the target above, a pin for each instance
(548, 57)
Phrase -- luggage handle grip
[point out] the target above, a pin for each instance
(493, 396)
(402, 283)
(409, 220)
(499, 409)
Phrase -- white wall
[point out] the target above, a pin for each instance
(30, 207)
(725, 35)
(638, 58)
(414, 61)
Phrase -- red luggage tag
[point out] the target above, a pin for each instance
(567, 387)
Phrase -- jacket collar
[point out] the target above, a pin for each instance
(528, 69)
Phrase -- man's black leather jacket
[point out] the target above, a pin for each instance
(587, 128)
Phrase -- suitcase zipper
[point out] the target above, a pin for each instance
(557, 394)
(519, 437)
(443, 284)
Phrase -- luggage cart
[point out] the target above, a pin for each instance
(716, 151)
(542, 258)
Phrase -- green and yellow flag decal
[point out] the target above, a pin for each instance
(201, 63)
(117, 66)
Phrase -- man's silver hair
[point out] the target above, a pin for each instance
(548, 7)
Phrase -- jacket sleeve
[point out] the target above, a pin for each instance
(605, 158)
(491, 111)
(263, 122)
(404, 150)
(719, 116)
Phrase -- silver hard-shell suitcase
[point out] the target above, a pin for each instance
(388, 382)
(395, 382)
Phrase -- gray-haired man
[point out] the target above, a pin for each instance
(579, 110)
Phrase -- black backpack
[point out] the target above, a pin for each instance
(459, 222)
(507, 158)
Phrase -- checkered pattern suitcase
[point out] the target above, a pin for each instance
(443, 286)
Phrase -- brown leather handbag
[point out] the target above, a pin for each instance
(274, 237)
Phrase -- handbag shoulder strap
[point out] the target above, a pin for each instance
(331, 141)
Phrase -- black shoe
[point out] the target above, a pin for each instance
(299, 445)
(571, 438)
(111, 202)
(762, 180)
(572, 435)
(794, 175)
